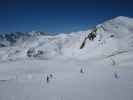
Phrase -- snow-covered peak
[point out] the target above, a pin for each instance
(109, 38)
(120, 26)
(120, 21)
(10, 39)
(122, 18)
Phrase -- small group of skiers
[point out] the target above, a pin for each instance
(116, 76)
(48, 78)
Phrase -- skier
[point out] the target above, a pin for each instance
(51, 75)
(81, 70)
(47, 79)
(113, 62)
(116, 75)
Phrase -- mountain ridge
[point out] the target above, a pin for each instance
(112, 36)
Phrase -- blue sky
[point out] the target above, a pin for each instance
(59, 15)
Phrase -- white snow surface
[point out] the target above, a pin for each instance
(57, 69)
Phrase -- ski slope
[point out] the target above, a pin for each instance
(46, 67)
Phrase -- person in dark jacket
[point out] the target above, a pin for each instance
(47, 79)
(81, 70)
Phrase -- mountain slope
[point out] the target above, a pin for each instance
(112, 37)
(96, 64)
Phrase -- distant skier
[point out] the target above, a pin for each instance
(81, 71)
(113, 62)
(116, 75)
(49, 77)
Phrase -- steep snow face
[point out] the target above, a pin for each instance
(120, 26)
(112, 37)
(117, 33)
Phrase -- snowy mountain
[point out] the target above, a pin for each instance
(10, 39)
(96, 64)
(111, 38)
